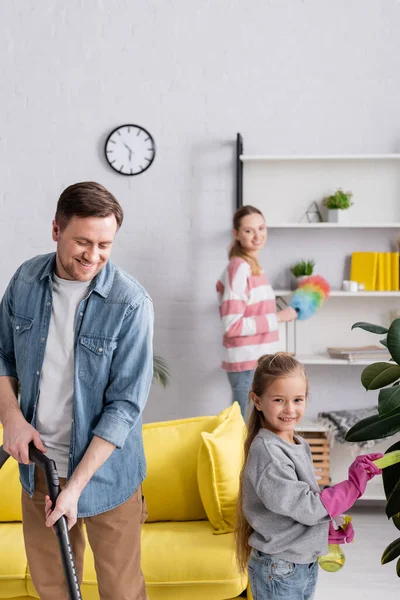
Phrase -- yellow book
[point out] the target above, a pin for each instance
(395, 271)
(380, 276)
(388, 271)
(364, 268)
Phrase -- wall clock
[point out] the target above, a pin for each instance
(130, 149)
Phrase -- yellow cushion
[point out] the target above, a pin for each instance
(219, 463)
(185, 560)
(171, 449)
(13, 563)
(10, 495)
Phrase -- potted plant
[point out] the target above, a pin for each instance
(337, 206)
(300, 270)
(384, 376)
(160, 371)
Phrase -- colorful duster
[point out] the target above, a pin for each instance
(310, 296)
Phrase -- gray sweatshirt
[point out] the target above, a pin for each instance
(281, 500)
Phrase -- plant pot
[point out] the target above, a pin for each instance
(297, 280)
(338, 215)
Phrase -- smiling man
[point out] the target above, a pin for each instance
(76, 334)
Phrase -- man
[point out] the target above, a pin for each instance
(76, 334)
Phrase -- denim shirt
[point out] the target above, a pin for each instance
(112, 373)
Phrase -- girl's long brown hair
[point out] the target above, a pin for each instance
(269, 368)
(236, 248)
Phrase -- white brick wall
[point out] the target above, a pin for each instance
(293, 76)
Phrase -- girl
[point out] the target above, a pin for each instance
(247, 305)
(283, 519)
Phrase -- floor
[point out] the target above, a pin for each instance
(363, 577)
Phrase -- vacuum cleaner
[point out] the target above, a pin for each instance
(61, 526)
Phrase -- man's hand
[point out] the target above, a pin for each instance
(67, 504)
(98, 452)
(18, 434)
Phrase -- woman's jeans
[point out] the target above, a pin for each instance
(241, 383)
(272, 578)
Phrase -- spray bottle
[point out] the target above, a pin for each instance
(335, 559)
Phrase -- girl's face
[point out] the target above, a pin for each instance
(283, 404)
(252, 233)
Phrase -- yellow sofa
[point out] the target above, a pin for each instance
(187, 542)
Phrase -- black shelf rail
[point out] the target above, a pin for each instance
(239, 171)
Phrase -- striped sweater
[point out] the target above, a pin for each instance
(248, 312)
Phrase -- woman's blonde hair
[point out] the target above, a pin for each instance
(236, 247)
(270, 367)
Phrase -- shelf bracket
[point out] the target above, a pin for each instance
(239, 172)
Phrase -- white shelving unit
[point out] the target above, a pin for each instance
(318, 158)
(324, 225)
(288, 184)
(283, 187)
(342, 294)
(325, 359)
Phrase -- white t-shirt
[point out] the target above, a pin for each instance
(55, 406)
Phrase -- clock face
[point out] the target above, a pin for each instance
(130, 149)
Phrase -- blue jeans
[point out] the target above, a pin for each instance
(272, 578)
(241, 383)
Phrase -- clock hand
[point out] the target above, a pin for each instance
(130, 152)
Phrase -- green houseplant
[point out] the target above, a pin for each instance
(337, 205)
(384, 376)
(301, 269)
(160, 371)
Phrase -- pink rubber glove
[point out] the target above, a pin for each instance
(339, 536)
(340, 497)
(363, 469)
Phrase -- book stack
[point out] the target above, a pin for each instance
(377, 271)
(372, 353)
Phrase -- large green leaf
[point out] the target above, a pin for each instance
(389, 399)
(361, 425)
(393, 503)
(379, 375)
(391, 552)
(369, 327)
(374, 428)
(393, 340)
(391, 475)
(396, 521)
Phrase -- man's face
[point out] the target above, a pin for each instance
(83, 246)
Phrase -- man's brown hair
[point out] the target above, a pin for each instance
(87, 199)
